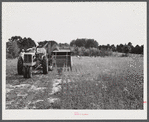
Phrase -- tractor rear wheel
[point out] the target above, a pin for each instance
(25, 72)
(20, 66)
(45, 65)
(50, 65)
(29, 72)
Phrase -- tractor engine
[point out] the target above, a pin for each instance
(29, 59)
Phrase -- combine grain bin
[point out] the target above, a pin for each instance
(63, 58)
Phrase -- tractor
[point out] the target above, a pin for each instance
(34, 58)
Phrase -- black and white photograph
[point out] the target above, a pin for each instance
(74, 60)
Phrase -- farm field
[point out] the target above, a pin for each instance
(93, 83)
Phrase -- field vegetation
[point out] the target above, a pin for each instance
(93, 83)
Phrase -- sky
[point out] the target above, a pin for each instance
(106, 22)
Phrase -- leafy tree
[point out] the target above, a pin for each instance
(142, 47)
(76, 50)
(12, 46)
(87, 43)
(108, 46)
(64, 45)
(72, 43)
(137, 50)
(103, 51)
(125, 49)
(78, 42)
(87, 52)
(113, 48)
(91, 43)
(129, 44)
(120, 48)
(16, 49)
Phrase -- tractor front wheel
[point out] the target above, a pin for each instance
(25, 72)
(45, 65)
(29, 72)
(20, 66)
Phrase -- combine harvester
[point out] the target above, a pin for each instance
(44, 57)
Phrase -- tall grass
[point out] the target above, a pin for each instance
(103, 83)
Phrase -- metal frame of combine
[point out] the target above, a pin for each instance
(62, 58)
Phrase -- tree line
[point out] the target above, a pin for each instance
(82, 47)
(91, 46)
(16, 43)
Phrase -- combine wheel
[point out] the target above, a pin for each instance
(25, 72)
(45, 65)
(20, 66)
